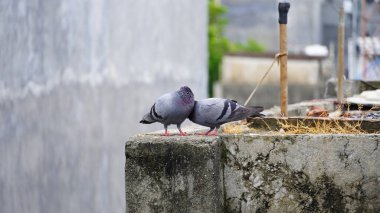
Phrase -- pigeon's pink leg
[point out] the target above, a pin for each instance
(166, 131)
(180, 131)
(214, 133)
(204, 133)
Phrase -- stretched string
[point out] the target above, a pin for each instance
(276, 58)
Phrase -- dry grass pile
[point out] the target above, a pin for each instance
(235, 128)
(300, 126)
(328, 126)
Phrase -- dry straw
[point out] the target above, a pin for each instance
(331, 126)
(323, 126)
(235, 128)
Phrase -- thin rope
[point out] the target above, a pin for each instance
(276, 58)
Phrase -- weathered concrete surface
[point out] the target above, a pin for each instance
(261, 173)
(300, 173)
(174, 174)
(75, 79)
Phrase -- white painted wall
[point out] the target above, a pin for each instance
(75, 79)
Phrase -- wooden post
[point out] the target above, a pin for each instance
(340, 55)
(283, 8)
(364, 35)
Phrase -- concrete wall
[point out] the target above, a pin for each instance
(302, 173)
(260, 173)
(76, 77)
(168, 174)
(241, 74)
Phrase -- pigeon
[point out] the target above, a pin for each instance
(171, 108)
(213, 112)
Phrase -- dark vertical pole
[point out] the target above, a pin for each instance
(283, 8)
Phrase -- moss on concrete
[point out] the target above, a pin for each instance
(272, 184)
(253, 173)
(173, 174)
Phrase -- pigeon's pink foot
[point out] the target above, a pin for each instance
(182, 133)
(214, 133)
(166, 133)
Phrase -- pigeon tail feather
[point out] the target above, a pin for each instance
(255, 111)
(147, 119)
(146, 122)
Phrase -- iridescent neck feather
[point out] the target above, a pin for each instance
(186, 94)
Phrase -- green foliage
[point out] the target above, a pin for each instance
(249, 46)
(218, 44)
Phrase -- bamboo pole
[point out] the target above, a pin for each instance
(340, 55)
(364, 34)
(283, 8)
(284, 70)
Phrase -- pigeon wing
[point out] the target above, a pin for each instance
(210, 111)
(162, 107)
(230, 111)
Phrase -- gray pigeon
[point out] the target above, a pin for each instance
(171, 108)
(213, 112)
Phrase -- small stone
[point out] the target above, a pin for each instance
(233, 149)
(257, 181)
(244, 164)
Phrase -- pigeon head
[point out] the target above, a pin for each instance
(186, 94)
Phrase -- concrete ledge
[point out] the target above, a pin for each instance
(174, 174)
(253, 173)
(302, 173)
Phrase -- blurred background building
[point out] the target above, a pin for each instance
(312, 46)
(75, 79)
(310, 21)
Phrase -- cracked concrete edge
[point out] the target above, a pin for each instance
(156, 137)
(308, 141)
(271, 148)
(190, 129)
(322, 167)
(163, 162)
